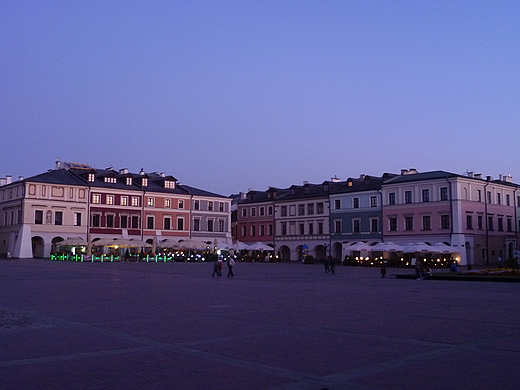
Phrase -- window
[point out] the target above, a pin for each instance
(91, 177)
(167, 223)
(374, 225)
(392, 224)
(110, 199)
(96, 198)
(196, 205)
(391, 198)
(244, 212)
(270, 210)
(310, 209)
(124, 201)
(509, 222)
(319, 208)
(210, 206)
(123, 221)
(168, 203)
(508, 200)
(337, 204)
(262, 230)
(128, 181)
(499, 198)
(426, 195)
(284, 228)
(426, 222)
(490, 222)
(408, 223)
(500, 224)
(135, 201)
(355, 203)
(444, 193)
(284, 211)
(180, 223)
(337, 226)
(110, 220)
(151, 202)
(301, 209)
(356, 225)
(270, 230)
(150, 222)
(408, 197)
(373, 201)
(221, 206)
(445, 221)
(479, 195)
(95, 220)
(135, 222)
(221, 225)
(489, 199)
(181, 205)
(320, 227)
(253, 211)
(244, 231)
(262, 210)
(169, 184)
(210, 225)
(38, 217)
(311, 228)
(110, 179)
(196, 224)
(58, 218)
(469, 222)
(77, 219)
(144, 182)
(301, 228)
(480, 222)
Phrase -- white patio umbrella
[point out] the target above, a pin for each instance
(224, 245)
(414, 247)
(73, 241)
(168, 243)
(239, 246)
(443, 248)
(259, 246)
(103, 242)
(359, 247)
(386, 247)
(190, 243)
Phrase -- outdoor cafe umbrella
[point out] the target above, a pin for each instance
(386, 247)
(168, 243)
(190, 243)
(73, 241)
(239, 246)
(259, 246)
(103, 242)
(359, 247)
(441, 247)
(415, 247)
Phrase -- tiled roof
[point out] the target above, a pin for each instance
(199, 192)
(58, 176)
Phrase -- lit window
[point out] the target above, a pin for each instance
(91, 177)
(128, 181)
(135, 201)
(124, 201)
(181, 205)
(96, 198)
(169, 184)
(110, 179)
(151, 202)
(110, 199)
(145, 182)
(168, 203)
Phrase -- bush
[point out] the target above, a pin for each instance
(309, 259)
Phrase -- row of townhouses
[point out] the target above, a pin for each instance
(76, 200)
(478, 217)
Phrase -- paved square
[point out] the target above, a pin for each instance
(274, 326)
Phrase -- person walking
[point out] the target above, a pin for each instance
(230, 264)
(332, 265)
(326, 264)
(216, 269)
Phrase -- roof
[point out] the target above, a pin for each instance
(420, 176)
(199, 192)
(58, 176)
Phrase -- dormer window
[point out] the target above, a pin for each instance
(110, 179)
(91, 177)
(306, 189)
(169, 184)
(128, 181)
(145, 182)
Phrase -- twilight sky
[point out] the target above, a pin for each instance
(232, 95)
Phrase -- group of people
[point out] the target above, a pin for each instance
(218, 265)
(330, 265)
(422, 272)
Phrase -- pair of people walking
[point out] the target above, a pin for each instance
(330, 265)
(217, 268)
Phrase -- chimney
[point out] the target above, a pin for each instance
(335, 179)
(478, 176)
(58, 165)
(471, 174)
(305, 182)
(162, 174)
(404, 171)
(123, 171)
(508, 178)
(141, 172)
(20, 178)
(8, 179)
(489, 178)
(362, 176)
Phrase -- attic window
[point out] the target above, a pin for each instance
(145, 182)
(110, 179)
(169, 184)
(307, 189)
(128, 181)
(91, 177)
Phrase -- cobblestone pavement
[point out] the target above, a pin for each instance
(273, 326)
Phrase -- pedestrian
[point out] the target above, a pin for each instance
(326, 264)
(219, 267)
(216, 270)
(332, 265)
(230, 265)
(383, 271)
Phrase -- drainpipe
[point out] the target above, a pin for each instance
(190, 221)
(486, 221)
(516, 216)
(89, 244)
(142, 215)
(380, 191)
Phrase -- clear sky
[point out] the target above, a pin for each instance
(232, 95)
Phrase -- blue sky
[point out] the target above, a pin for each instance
(232, 95)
